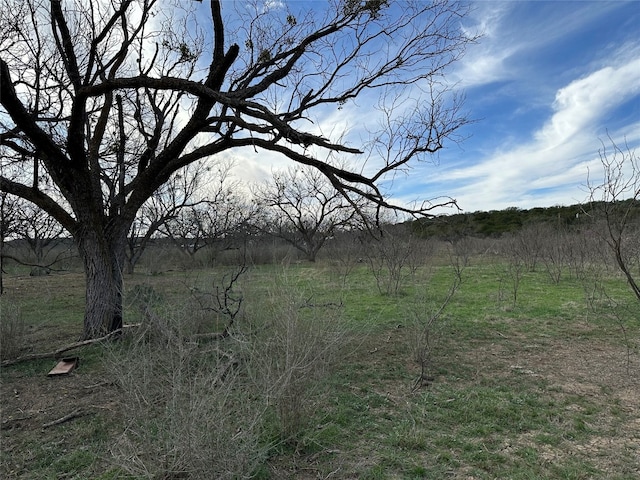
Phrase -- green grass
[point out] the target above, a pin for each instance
(539, 388)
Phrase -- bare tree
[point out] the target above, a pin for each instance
(179, 193)
(43, 236)
(394, 256)
(102, 102)
(426, 316)
(216, 220)
(301, 207)
(616, 199)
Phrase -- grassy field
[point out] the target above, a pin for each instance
(546, 385)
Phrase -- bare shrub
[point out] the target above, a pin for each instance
(394, 258)
(580, 252)
(343, 254)
(459, 252)
(425, 315)
(529, 245)
(510, 273)
(556, 253)
(12, 330)
(195, 405)
(295, 346)
(187, 411)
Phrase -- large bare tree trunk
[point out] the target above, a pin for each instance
(103, 263)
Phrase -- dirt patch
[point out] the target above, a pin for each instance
(32, 402)
(40, 412)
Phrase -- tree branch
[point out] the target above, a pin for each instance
(25, 121)
(42, 200)
(58, 353)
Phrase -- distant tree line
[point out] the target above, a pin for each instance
(495, 223)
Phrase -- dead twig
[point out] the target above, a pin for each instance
(422, 381)
(225, 370)
(66, 418)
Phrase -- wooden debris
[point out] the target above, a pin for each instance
(65, 366)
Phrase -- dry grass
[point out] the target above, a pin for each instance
(12, 330)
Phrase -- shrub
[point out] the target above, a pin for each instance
(186, 408)
(295, 346)
(196, 406)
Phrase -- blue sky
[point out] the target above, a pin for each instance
(547, 83)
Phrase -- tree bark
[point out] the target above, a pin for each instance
(103, 263)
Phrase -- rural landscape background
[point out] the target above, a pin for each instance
(345, 239)
(489, 345)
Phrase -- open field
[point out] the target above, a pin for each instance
(546, 385)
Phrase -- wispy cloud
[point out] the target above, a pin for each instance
(484, 62)
(558, 154)
(511, 30)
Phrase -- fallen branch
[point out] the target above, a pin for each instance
(99, 384)
(66, 418)
(58, 353)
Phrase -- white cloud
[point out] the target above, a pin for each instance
(274, 5)
(484, 62)
(581, 103)
(550, 167)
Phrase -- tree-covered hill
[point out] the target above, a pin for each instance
(497, 222)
